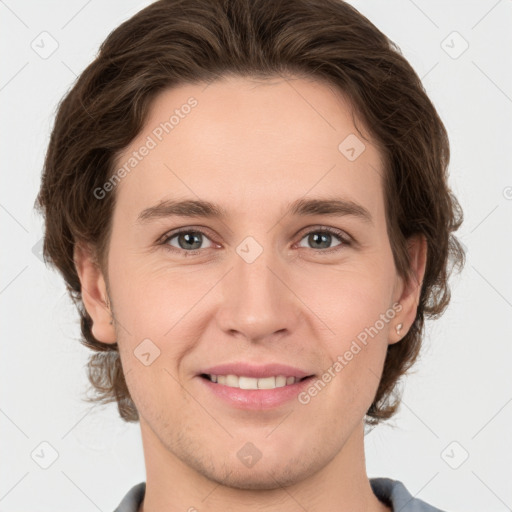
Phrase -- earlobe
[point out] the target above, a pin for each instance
(411, 290)
(94, 293)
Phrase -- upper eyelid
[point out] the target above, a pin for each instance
(172, 233)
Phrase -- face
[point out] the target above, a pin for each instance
(257, 280)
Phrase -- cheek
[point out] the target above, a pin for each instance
(347, 299)
(356, 313)
(155, 327)
(151, 298)
(356, 354)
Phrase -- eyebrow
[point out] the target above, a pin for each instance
(300, 207)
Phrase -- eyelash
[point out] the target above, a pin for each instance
(342, 237)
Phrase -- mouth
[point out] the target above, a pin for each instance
(254, 393)
(254, 386)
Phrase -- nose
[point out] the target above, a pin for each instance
(257, 302)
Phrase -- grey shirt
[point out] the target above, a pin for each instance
(391, 492)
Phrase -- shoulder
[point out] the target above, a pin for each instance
(395, 494)
(132, 499)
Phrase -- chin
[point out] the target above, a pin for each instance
(261, 476)
(260, 480)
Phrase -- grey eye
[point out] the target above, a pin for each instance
(188, 240)
(321, 239)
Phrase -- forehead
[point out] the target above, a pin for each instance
(248, 143)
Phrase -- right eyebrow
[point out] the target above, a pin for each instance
(187, 208)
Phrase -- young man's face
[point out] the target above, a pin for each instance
(258, 286)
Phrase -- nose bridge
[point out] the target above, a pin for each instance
(256, 302)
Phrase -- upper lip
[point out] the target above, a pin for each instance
(256, 371)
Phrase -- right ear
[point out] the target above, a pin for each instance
(94, 293)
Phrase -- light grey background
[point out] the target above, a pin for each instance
(457, 402)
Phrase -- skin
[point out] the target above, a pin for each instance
(251, 147)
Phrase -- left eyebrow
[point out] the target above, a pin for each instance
(333, 207)
(300, 207)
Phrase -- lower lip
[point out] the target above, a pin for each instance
(256, 398)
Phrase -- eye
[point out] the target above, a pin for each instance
(189, 241)
(321, 238)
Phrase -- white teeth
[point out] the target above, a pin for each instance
(232, 381)
(280, 381)
(243, 382)
(266, 383)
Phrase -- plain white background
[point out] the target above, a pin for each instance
(451, 441)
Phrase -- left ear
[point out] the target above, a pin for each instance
(409, 292)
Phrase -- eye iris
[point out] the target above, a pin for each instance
(189, 239)
(315, 238)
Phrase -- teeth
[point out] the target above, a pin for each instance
(242, 382)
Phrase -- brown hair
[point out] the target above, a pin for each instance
(173, 42)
